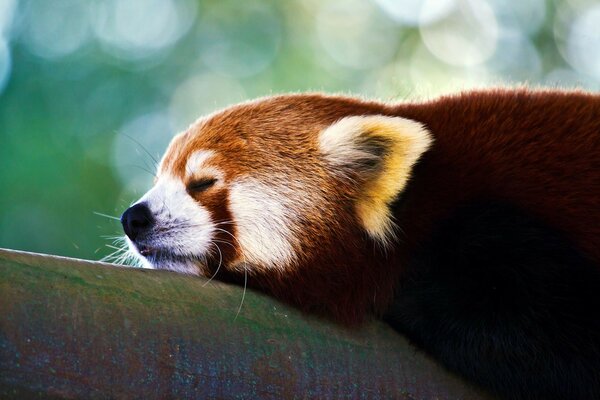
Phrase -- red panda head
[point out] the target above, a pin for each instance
(281, 189)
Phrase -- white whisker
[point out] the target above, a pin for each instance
(245, 265)
(106, 215)
(218, 267)
(243, 293)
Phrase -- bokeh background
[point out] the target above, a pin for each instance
(92, 91)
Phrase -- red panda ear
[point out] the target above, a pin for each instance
(378, 152)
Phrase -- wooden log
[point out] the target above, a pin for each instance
(80, 329)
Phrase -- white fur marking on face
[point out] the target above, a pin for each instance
(143, 263)
(183, 227)
(265, 216)
(196, 160)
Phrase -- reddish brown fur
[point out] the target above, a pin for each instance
(537, 149)
(217, 202)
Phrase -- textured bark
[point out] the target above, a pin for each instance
(80, 329)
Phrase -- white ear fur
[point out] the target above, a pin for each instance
(380, 152)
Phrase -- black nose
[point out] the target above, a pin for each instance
(137, 219)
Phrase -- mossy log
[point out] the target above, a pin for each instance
(80, 329)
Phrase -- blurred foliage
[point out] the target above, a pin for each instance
(92, 91)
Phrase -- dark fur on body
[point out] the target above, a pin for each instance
(507, 302)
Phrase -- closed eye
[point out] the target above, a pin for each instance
(200, 185)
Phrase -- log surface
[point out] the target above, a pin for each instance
(78, 329)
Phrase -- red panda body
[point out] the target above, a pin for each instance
(537, 150)
(471, 223)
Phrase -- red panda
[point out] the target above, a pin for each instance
(470, 223)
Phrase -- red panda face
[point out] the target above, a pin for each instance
(275, 184)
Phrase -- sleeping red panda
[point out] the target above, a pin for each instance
(470, 223)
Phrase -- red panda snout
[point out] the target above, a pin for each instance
(180, 235)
